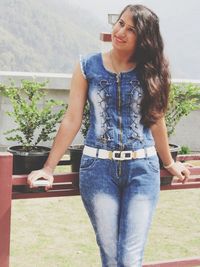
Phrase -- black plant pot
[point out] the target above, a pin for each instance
(76, 152)
(25, 162)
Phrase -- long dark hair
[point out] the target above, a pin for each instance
(151, 63)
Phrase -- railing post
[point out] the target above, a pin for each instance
(5, 206)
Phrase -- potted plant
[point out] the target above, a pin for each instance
(35, 119)
(184, 98)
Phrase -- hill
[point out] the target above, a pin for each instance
(49, 35)
(42, 36)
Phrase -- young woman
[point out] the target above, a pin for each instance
(128, 90)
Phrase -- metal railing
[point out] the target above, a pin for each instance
(66, 184)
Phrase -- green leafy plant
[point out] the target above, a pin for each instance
(35, 118)
(184, 98)
(184, 150)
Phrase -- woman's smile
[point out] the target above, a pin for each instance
(119, 40)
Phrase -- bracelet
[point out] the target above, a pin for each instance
(169, 166)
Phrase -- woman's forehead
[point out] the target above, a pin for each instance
(127, 17)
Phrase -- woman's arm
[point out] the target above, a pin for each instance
(159, 132)
(72, 120)
(68, 129)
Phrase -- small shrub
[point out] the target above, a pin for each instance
(184, 98)
(35, 118)
(184, 150)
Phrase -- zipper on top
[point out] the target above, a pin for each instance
(119, 109)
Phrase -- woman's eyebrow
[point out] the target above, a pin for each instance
(128, 24)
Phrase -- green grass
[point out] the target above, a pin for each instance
(175, 230)
(56, 232)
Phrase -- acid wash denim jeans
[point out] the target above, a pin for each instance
(120, 207)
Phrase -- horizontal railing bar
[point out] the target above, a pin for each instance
(193, 171)
(56, 193)
(64, 177)
(66, 184)
(190, 180)
(186, 262)
(180, 186)
(188, 157)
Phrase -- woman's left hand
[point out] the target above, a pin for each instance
(179, 170)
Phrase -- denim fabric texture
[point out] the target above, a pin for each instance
(103, 98)
(120, 197)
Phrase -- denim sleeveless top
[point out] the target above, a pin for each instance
(115, 107)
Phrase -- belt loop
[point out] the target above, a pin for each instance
(145, 152)
(97, 152)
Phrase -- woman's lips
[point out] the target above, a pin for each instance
(119, 40)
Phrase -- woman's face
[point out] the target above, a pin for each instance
(124, 36)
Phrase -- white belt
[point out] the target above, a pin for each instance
(119, 155)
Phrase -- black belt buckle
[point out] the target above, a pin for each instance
(122, 155)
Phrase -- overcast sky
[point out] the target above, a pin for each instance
(102, 7)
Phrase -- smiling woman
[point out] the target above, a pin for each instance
(127, 89)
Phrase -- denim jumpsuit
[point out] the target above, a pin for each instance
(119, 196)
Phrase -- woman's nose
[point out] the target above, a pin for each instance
(122, 31)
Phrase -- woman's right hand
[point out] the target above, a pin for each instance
(179, 170)
(45, 173)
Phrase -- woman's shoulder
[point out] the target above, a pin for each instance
(90, 64)
(90, 57)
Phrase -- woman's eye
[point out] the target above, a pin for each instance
(131, 30)
(121, 23)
